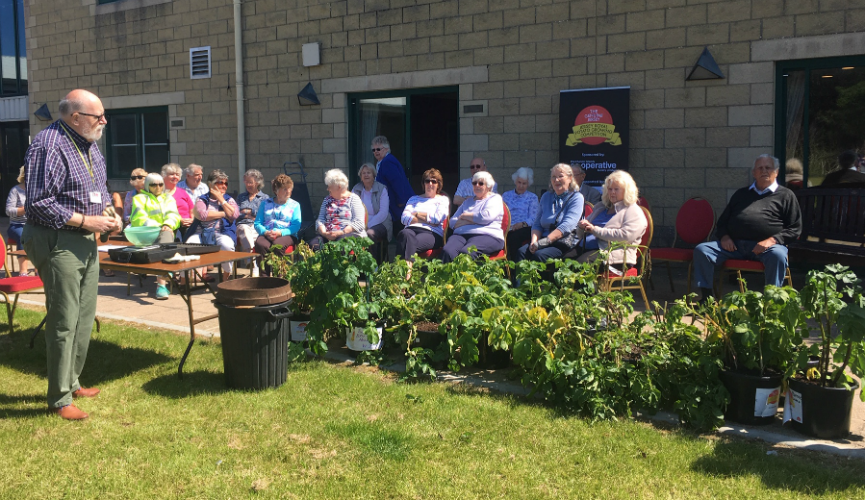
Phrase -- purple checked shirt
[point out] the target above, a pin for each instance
(58, 180)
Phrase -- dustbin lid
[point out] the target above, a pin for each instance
(253, 292)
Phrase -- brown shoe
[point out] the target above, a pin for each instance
(70, 412)
(85, 393)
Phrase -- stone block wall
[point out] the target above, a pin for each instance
(513, 56)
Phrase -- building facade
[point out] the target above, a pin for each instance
(450, 80)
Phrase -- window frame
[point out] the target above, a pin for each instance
(21, 84)
(807, 65)
(114, 172)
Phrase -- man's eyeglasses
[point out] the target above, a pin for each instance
(477, 183)
(376, 150)
(430, 181)
(475, 167)
(155, 184)
(220, 183)
(136, 177)
(98, 117)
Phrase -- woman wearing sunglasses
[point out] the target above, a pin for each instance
(136, 180)
(215, 215)
(478, 221)
(154, 207)
(423, 218)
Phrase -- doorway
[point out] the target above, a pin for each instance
(422, 126)
(14, 141)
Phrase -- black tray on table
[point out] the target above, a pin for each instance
(149, 254)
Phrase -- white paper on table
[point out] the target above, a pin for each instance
(106, 248)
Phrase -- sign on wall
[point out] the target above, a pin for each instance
(593, 130)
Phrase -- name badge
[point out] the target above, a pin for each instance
(95, 197)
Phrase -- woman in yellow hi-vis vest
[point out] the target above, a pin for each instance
(152, 207)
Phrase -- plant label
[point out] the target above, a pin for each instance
(766, 402)
(793, 406)
(298, 331)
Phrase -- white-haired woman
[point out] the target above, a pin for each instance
(154, 207)
(248, 203)
(136, 180)
(376, 200)
(561, 209)
(15, 212)
(619, 220)
(215, 215)
(478, 221)
(171, 174)
(342, 213)
(524, 207)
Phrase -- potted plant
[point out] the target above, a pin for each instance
(319, 280)
(303, 276)
(757, 335)
(820, 399)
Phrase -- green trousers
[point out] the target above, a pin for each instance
(68, 264)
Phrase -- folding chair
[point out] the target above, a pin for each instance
(15, 286)
(634, 274)
(694, 223)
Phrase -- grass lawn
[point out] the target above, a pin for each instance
(337, 432)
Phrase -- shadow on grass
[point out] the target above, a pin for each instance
(106, 361)
(193, 384)
(787, 470)
(16, 413)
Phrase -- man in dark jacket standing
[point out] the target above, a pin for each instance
(756, 225)
(392, 175)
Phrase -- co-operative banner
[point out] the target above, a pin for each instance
(593, 130)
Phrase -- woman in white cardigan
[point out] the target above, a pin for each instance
(620, 220)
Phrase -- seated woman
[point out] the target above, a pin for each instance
(622, 221)
(341, 214)
(215, 213)
(561, 209)
(376, 200)
(154, 207)
(277, 220)
(524, 208)
(248, 202)
(478, 221)
(423, 218)
(15, 212)
(171, 173)
(136, 180)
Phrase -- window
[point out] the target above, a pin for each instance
(136, 138)
(820, 105)
(13, 56)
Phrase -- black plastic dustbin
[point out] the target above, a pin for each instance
(254, 345)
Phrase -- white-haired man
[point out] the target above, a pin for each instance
(756, 225)
(192, 184)
(66, 197)
(464, 189)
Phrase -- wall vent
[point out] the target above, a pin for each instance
(199, 62)
(473, 108)
(177, 123)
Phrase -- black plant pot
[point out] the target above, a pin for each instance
(824, 411)
(745, 389)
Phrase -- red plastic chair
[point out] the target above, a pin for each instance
(434, 253)
(506, 225)
(634, 276)
(739, 266)
(694, 223)
(15, 286)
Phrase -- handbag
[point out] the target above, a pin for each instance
(571, 239)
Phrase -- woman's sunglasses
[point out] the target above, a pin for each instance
(157, 184)
(430, 181)
(136, 177)
(477, 183)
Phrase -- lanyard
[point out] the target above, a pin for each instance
(89, 154)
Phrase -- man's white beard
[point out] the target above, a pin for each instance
(94, 133)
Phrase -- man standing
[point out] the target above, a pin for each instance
(464, 189)
(392, 175)
(66, 196)
(589, 193)
(848, 176)
(756, 224)
(193, 184)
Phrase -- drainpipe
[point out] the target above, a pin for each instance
(238, 84)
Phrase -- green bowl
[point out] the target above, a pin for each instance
(143, 235)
